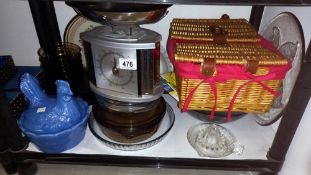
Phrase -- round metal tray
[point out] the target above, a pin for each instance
(120, 13)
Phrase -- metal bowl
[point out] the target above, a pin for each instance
(120, 13)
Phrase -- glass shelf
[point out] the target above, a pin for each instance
(256, 140)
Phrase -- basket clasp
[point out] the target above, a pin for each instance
(208, 66)
(251, 66)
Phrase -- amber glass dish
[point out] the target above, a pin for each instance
(130, 125)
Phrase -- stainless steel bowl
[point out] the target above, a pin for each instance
(120, 13)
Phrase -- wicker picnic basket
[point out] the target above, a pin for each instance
(224, 65)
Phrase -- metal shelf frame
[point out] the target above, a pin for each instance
(13, 156)
(209, 2)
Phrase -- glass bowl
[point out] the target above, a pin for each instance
(212, 140)
(130, 123)
(164, 127)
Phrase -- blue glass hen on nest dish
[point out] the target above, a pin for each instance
(52, 124)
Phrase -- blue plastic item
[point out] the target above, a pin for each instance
(52, 124)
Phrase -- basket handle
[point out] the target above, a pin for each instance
(219, 34)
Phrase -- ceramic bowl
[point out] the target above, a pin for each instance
(59, 141)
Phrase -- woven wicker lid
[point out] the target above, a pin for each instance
(232, 30)
(231, 53)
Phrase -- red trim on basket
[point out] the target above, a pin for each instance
(257, 80)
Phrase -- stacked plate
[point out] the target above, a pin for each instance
(125, 143)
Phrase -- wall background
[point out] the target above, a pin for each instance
(18, 38)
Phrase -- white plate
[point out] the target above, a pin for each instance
(285, 33)
(73, 29)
